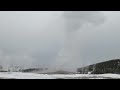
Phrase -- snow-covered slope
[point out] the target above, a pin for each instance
(19, 75)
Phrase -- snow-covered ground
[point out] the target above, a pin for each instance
(18, 75)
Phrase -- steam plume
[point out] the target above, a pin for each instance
(74, 21)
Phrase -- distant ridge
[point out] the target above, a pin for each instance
(111, 66)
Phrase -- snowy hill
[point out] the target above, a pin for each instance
(112, 66)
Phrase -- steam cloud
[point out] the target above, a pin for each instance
(15, 59)
(74, 21)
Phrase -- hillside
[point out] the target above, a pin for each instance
(112, 66)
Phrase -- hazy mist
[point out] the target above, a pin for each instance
(34, 39)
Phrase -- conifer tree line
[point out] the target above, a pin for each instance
(112, 66)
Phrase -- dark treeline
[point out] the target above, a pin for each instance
(112, 66)
(34, 69)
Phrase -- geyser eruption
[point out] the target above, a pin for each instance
(74, 21)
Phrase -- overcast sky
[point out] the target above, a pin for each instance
(35, 38)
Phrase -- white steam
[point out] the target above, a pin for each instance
(23, 59)
(75, 21)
